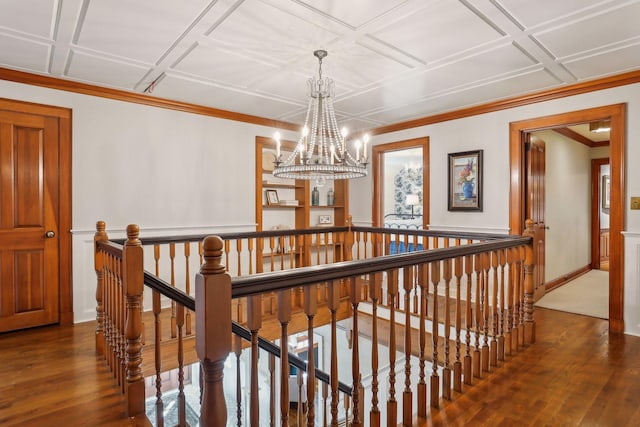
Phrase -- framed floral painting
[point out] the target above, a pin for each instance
(465, 181)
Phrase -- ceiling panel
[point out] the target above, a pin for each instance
(107, 72)
(609, 62)
(38, 16)
(593, 32)
(530, 13)
(24, 54)
(438, 31)
(193, 91)
(354, 12)
(146, 29)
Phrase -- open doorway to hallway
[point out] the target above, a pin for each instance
(616, 115)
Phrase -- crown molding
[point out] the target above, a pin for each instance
(138, 98)
(532, 98)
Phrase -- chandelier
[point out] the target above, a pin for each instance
(321, 152)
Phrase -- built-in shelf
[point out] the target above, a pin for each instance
(326, 206)
(280, 185)
(281, 207)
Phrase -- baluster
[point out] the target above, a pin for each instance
(182, 409)
(254, 323)
(509, 312)
(101, 235)
(272, 388)
(407, 396)
(300, 381)
(446, 372)
(237, 349)
(333, 303)
(157, 309)
(310, 310)
(227, 253)
(521, 296)
(502, 255)
(272, 249)
(392, 404)
(213, 331)
(250, 245)
(457, 365)
(201, 252)
(107, 308)
(318, 247)
(357, 233)
(347, 405)
(172, 257)
(187, 284)
(375, 291)
(516, 300)
(281, 251)
(133, 262)
(529, 265)
(366, 242)
(292, 252)
(435, 380)
(423, 280)
(259, 255)
(468, 270)
(485, 310)
(119, 302)
(325, 396)
(493, 348)
(301, 251)
(284, 317)
(387, 245)
(239, 256)
(355, 293)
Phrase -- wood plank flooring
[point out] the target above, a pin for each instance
(576, 374)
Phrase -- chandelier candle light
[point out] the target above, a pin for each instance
(321, 152)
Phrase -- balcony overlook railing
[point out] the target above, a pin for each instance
(399, 305)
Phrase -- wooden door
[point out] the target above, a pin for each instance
(534, 207)
(29, 258)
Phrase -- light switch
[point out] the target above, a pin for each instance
(635, 203)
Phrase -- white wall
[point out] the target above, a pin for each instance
(490, 132)
(567, 207)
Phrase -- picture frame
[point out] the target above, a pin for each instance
(272, 197)
(324, 220)
(606, 192)
(465, 181)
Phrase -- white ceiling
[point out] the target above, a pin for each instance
(392, 60)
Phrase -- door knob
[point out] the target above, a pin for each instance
(50, 234)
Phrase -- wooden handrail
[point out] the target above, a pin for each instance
(279, 280)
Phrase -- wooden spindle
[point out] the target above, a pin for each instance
(100, 236)
(355, 293)
(260, 255)
(250, 247)
(407, 396)
(213, 331)
(509, 312)
(284, 317)
(272, 389)
(172, 257)
(325, 396)
(182, 406)
(457, 364)
(300, 382)
(227, 254)
(493, 348)
(333, 303)
(237, 349)
(157, 309)
(468, 270)
(392, 404)
(446, 372)
(310, 310)
(423, 281)
(435, 380)
(502, 311)
(292, 251)
(484, 302)
(187, 284)
(529, 286)
(375, 290)
(133, 278)
(239, 257)
(254, 323)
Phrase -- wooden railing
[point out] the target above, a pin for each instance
(478, 289)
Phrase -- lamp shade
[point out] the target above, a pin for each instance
(412, 199)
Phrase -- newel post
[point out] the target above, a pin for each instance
(101, 235)
(133, 276)
(529, 265)
(213, 330)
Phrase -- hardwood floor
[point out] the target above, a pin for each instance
(575, 374)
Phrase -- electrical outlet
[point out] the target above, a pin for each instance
(635, 203)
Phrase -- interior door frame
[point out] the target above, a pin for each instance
(595, 210)
(63, 116)
(617, 114)
(377, 166)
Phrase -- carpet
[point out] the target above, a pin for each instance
(587, 295)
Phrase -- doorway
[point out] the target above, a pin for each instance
(35, 220)
(616, 115)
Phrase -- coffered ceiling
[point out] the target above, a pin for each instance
(392, 60)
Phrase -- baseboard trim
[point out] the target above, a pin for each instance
(556, 283)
